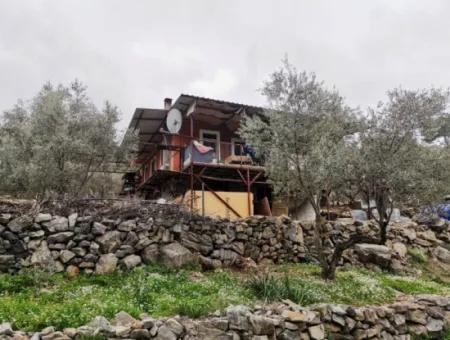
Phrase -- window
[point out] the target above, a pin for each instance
(237, 147)
(212, 139)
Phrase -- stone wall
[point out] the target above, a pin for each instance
(418, 316)
(162, 233)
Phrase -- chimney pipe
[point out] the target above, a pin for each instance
(167, 103)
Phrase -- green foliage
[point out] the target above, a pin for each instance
(412, 285)
(417, 255)
(155, 290)
(271, 288)
(58, 143)
(33, 305)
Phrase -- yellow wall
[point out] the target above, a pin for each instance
(215, 208)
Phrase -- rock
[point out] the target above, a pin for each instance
(98, 229)
(434, 325)
(5, 329)
(20, 224)
(150, 254)
(66, 256)
(442, 254)
(373, 253)
(42, 218)
(57, 224)
(72, 272)
(132, 261)
(262, 325)
(317, 332)
(100, 324)
(70, 332)
(62, 237)
(127, 226)
(417, 316)
(237, 317)
(42, 256)
(140, 334)
(123, 319)
(109, 242)
(289, 335)
(147, 322)
(400, 249)
(55, 336)
(299, 316)
(72, 220)
(5, 218)
(174, 326)
(164, 333)
(175, 255)
(106, 264)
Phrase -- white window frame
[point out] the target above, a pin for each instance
(233, 144)
(211, 132)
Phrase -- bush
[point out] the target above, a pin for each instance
(271, 288)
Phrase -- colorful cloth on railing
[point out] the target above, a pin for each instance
(202, 148)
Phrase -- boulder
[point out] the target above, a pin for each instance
(42, 256)
(262, 325)
(123, 319)
(175, 255)
(20, 224)
(42, 218)
(132, 261)
(151, 253)
(374, 253)
(98, 229)
(66, 255)
(174, 326)
(106, 264)
(317, 332)
(109, 242)
(61, 237)
(237, 316)
(57, 224)
(5, 329)
(72, 272)
(442, 254)
(164, 333)
(400, 249)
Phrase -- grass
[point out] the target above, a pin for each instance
(155, 290)
(33, 300)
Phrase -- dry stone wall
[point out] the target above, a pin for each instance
(92, 243)
(423, 315)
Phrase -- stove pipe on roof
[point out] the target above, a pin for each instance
(167, 103)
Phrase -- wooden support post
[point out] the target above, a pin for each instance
(249, 198)
(192, 185)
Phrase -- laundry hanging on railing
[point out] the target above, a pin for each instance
(202, 148)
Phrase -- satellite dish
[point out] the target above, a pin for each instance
(174, 120)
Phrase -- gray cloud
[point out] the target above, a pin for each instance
(135, 53)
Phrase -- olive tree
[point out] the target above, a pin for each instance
(58, 142)
(392, 165)
(302, 138)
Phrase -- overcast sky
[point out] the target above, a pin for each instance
(135, 53)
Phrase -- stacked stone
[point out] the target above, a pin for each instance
(101, 244)
(424, 315)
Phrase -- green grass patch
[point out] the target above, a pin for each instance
(155, 290)
(34, 300)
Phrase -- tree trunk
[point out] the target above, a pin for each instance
(383, 231)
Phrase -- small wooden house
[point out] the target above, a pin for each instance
(190, 151)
